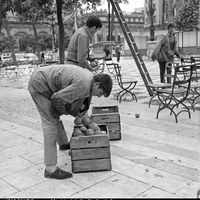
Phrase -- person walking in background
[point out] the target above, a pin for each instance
(165, 50)
(118, 52)
(107, 52)
(58, 90)
(42, 57)
(78, 49)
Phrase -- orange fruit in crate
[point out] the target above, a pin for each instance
(83, 128)
(77, 132)
(78, 121)
(97, 132)
(94, 126)
(86, 121)
(89, 132)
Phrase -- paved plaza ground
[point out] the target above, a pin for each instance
(156, 158)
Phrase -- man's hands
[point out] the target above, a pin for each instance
(58, 106)
(95, 65)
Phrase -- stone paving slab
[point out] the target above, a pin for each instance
(118, 186)
(158, 178)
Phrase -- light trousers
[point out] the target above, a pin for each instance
(53, 129)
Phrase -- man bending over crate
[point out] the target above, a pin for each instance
(58, 90)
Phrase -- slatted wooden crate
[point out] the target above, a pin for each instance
(91, 153)
(110, 116)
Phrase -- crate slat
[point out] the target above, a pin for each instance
(104, 109)
(91, 165)
(94, 153)
(104, 118)
(84, 142)
(113, 126)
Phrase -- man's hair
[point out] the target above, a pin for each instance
(170, 25)
(105, 83)
(93, 21)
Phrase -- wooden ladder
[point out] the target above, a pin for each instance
(132, 45)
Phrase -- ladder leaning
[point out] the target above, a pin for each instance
(132, 45)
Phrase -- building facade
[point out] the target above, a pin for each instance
(135, 21)
(171, 8)
(138, 21)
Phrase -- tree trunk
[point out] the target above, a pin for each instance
(1, 15)
(152, 27)
(151, 11)
(163, 15)
(61, 31)
(10, 41)
(36, 40)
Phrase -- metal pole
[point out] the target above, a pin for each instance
(109, 20)
(182, 42)
(196, 42)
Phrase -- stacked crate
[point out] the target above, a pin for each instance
(108, 115)
(91, 153)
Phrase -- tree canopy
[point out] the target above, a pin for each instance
(187, 17)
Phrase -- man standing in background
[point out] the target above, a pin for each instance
(118, 52)
(78, 49)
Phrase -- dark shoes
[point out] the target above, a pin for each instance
(58, 174)
(64, 146)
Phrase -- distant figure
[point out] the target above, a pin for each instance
(165, 51)
(42, 57)
(118, 52)
(107, 53)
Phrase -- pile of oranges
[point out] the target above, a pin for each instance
(83, 126)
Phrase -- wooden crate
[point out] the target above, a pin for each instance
(91, 153)
(108, 115)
